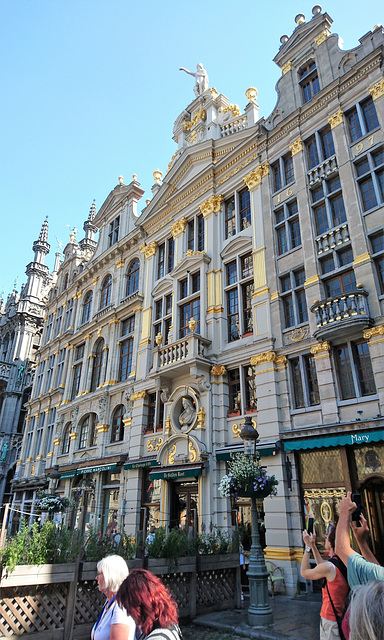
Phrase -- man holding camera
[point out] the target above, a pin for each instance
(362, 568)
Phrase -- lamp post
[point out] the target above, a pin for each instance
(55, 475)
(259, 611)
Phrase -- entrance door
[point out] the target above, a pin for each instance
(184, 500)
(373, 495)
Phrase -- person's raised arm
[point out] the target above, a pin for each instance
(343, 543)
(361, 534)
(323, 569)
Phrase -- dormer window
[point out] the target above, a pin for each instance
(309, 81)
(113, 234)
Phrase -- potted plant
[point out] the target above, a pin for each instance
(246, 477)
(251, 408)
(51, 503)
(233, 412)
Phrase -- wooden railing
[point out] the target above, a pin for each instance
(62, 602)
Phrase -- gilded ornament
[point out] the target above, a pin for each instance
(233, 108)
(127, 422)
(190, 252)
(261, 358)
(236, 430)
(172, 453)
(296, 146)
(192, 452)
(95, 281)
(320, 348)
(201, 418)
(374, 331)
(159, 339)
(192, 324)
(198, 115)
(281, 360)
(159, 443)
(254, 177)
(377, 90)
(168, 429)
(298, 334)
(322, 37)
(120, 263)
(212, 205)
(286, 67)
(56, 442)
(336, 119)
(178, 227)
(157, 175)
(150, 445)
(149, 249)
(218, 370)
(251, 94)
(139, 395)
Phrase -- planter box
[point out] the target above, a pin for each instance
(218, 561)
(234, 414)
(32, 574)
(162, 566)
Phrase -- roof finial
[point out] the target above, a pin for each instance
(92, 211)
(43, 237)
(121, 179)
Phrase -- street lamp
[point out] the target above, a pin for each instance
(55, 475)
(259, 611)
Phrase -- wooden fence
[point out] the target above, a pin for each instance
(62, 602)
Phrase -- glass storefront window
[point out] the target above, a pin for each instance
(321, 467)
(369, 459)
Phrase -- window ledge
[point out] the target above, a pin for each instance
(344, 403)
(311, 409)
(363, 137)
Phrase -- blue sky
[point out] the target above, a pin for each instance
(91, 90)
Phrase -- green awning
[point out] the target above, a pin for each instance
(264, 449)
(144, 461)
(97, 469)
(176, 472)
(337, 440)
(68, 474)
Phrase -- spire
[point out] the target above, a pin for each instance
(41, 246)
(88, 243)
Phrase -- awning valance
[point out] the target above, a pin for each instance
(177, 471)
(336, 440)
(144, 461)
(68, 474)
(264, 449)
(97, 469)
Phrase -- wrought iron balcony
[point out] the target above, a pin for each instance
(340, 315)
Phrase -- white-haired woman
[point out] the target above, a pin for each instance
(367, 612)
(113, 623)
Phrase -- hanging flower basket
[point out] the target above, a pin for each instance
(51, 504)
(246, 478)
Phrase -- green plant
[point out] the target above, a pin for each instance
(244, 473)
(97, 547)
(156, 548)
(215, 541)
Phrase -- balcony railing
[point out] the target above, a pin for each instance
(233, 127)
(5, 371)
(334, 237)
(190, 347)
(339, 313)
(322, 170)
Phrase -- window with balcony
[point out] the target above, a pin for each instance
(293, 298)
(370, 179)
(87, 307)
(105, 293)
(239, 289)
(328, 205)
(237, 213)
(354, 370)
(133, 277)
(343, 280)
(98, 359)
(195, 234)
(305, 389)
(155, 415)
(282, 172)
(88, 432)
(287, 227)
(242, 391)
(189, 303)
(117, 425)
(77, 368)
(377, 246)
(66, 440)
(126, 348)
(309, 81)
(163, 318)
(165, 257)
(361, 119)
(319, 147)
(113, 234)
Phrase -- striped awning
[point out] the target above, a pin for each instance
(175, 472)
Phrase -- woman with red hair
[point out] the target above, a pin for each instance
(151, 606)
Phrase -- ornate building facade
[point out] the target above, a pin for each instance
(251, 283)
(21, 323)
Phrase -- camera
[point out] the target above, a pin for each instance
(356, 498)
(310, 525)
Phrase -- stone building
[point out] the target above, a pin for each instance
(21, 322)
(251, 283)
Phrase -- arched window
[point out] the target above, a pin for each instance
(66, 441)
(88, 433)
(97, 365)
(105, 297)
(133, 277)
(87, 307)
(117, 430)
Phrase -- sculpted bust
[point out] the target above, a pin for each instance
(187, 416)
